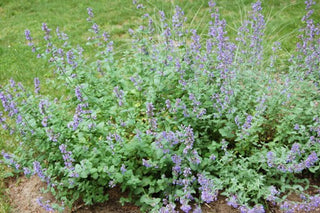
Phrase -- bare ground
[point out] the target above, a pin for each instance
(23, 194)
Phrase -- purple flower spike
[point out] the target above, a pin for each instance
(232, 201)
(90, 13)
(150, 109)
(123, 169)
(311, 160)
(95, 28)
(36, 85)
(146, 163)
(78, 93)
(27, 34)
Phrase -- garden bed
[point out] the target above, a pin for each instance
(24, 192)
(178, 122)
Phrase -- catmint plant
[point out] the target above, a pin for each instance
(175, 121)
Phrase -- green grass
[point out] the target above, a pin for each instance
(117, 17)
(283, 19)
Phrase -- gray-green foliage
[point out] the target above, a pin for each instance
(178, 118)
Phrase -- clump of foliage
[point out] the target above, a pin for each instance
(176, 121)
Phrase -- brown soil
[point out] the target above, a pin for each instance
(23, 194)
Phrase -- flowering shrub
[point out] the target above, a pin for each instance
(176, 121)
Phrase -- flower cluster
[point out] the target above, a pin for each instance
(68, 160)
(45, 204)
(208, 191)
(182, 117)
(308, 205)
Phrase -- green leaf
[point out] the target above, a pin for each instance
(95, 175)
(150, 201)
(226, 132)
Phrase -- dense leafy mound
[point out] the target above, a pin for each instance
(176, 121)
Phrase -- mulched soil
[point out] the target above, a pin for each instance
(23, 194)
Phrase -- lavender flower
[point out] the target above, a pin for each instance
(184, 205)
(43, 104)
(9, 159)
(70, 57)
(187, 172)
(44, 121)
(5, 101)
(295, 149)
(26, 171)
(169, 208)
(78, 116)
(189, 139)
(177, 21)
(46, 30)
(123, 168)
(12, 83)
(2, 118)
(212, 157)
(211, 4)
(140, 6)
(119, 94)
(236, 120)
(90, 13)
(109, 47)
(13, 110)
(146, 163)
(309, 205)
(78, 93)
(195, 157)
(168, 104)
(224, 145)
(111, 184)
(27, 34)
(253, 41)
(176, 159)
(195, 44)
(207, 189)
(45, 204)
(247, 124)
(52, 136)
(39, 171)
(150, 109)
(197, 210)
(273, 195)
(36, 85)
(270, 159)
(176, 169)
(162, 16)
(257, 209)
(308, 47)
(232, 201)
(131, 31)
(95, 28)
(311, 160)
(61, 36)
(68, 160)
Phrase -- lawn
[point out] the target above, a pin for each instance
(116, 17)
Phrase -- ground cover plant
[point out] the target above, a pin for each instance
(176, 121)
